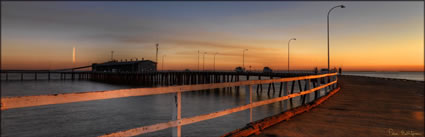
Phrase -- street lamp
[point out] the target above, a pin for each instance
(243, 58)
(163, 62)
(339, 6)
(156, 59)
(214, 60)
(203, 61)
(288, 51)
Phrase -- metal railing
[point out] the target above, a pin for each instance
(328, 82)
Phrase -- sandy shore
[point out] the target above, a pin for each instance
(365, 106)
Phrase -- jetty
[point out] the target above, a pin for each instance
(350, 105)
(309, 87)
(365, 106)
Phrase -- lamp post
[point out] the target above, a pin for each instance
(214, 60)
(198, 60)
(163, 62)
(156, 59)
(203, 61)
(339, 6)
(243, 58)
(288, 50)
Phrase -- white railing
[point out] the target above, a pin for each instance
(29, 101)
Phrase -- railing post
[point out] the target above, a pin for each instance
(248, 99)
(177, 114)
(327, 89)
(285, 93)
(308, 88)
(335, 79)
(330, 80)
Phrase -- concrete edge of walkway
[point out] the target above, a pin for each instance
(259, 125)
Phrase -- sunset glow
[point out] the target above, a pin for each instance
(73, 55)
(364, 36)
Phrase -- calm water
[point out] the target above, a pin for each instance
(418, 76)
(95, 118)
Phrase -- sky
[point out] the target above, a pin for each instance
(364, 36)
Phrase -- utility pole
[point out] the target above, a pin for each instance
(157, 53)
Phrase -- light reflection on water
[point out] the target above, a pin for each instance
(93, 118)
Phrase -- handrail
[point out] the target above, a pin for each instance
(194, 119)
(38, 100)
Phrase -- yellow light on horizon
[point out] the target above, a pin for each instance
(73, 55)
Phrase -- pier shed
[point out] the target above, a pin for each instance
(126, 66)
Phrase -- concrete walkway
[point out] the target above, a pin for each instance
(363, 107)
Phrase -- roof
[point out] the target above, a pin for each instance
(116, 63)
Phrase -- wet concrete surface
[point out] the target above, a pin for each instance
(364, 107)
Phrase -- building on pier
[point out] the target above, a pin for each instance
(125, 66)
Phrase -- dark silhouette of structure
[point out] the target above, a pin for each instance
(127, 66)
(239, 69)
(340, 71)
(267, 70)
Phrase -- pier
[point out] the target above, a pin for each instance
(365, 106)
(310, 87)
(154, 79)
(354, 105)
(215, 69)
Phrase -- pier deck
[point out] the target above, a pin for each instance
(363, 107)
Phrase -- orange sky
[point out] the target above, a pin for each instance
(365, 36)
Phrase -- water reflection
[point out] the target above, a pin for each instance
(95, 118)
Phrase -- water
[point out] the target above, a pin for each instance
(31, 76)
(94, 118)
(418, 76)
